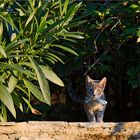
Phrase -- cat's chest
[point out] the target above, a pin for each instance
(93, 105)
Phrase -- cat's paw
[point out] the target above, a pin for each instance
(99, 121)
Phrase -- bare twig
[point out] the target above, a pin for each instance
(96, 61)
(99, 33)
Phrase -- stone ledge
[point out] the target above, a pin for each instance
(41, 130)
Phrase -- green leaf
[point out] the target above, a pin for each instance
(138, 39)
(27, 102)
(1, 30)
(43, 83)
(12, 82)
(56, 57)
(17, 68)
(34, 90)
(3, 117)
(52, 26)
(70, 13)
(74, 24)
(65, 48)
(60, 7)
(6, 98)
(2, 80)
(30, 17)
(21, 12)
(32, 3)
(65, 6)
(13, 45)
(8, 19)
(76, 35)
(2, 51)
(134, 6)
(43, 23)
(50, 75)
(17, 101)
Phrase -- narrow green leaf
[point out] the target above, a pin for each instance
(17, 68)
(13, 45)
(50, 75)
(43, 22)
(12, 82)
(8, 19)
(65, 6)
(17, 101)
(2, 119)
(34, 90)
(6, 98)
(32, 3)
(71, 12)
(1, 30)
(52, 26)
(53, 55)
(60, 7)
(30, 17)
(138, 39)
(2, 51)
(27, 102)
(4, 113)
(2, 80)
(65, 48)
(43, 83)
(21, 7)
(21, 13)
(77, 23)
(71, 35)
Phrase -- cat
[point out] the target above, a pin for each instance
(94, 100)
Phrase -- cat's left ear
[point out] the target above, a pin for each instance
(102, 83)
(88, 79)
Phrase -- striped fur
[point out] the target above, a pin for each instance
(94, 101)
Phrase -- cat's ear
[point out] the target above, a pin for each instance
(88, 79)
(102, 83)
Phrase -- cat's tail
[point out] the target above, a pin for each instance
(73, 95)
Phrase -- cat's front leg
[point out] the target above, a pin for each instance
(100, 115)
(90, 114)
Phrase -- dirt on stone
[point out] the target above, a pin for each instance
(69, 131)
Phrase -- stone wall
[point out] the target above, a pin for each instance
(69, 131)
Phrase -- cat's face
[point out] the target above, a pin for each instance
(95, 88)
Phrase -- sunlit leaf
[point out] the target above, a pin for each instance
(71, 35)
(1, 30)
(8, 19)
(30, 17)
(17, 101)
(56, 57)
(50, 75)
(43, 22)
(13, 45)
(2, 51)
(17, 68)
(3, 116)
(21, 13)
(6, 98)
(34, 90)
(12, 82)
(138, 40)
(43, 83)
(65, 48)
(65, 6)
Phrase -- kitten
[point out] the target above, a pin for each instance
(94, 101)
